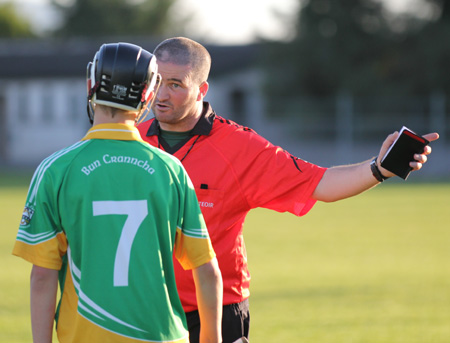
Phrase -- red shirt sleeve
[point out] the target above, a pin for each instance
(277, 180)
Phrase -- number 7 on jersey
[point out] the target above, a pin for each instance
(136, 211)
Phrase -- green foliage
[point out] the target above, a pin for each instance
(114, 17)
(11, 24)
(337, 47)
(371, 269)
(420, 63)
(356, 46)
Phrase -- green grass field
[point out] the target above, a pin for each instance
(371, 269)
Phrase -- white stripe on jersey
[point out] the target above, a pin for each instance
(195, 233)
(110, 130)
(32, 239)
(87, 301)
(45, 164)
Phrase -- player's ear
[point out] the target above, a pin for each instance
(203, 89)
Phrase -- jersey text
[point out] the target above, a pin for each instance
(108, 159)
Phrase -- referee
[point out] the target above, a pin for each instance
(235, 170)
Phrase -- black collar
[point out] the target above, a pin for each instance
(202, 128)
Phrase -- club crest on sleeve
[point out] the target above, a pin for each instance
(26, 216)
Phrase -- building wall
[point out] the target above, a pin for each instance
(42, 116)
(238, 97)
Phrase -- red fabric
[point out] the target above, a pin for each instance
(242, 171)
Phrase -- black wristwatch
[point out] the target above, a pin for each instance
(376, 172)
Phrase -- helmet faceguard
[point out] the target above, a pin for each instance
(122, 75)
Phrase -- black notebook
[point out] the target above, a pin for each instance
(402, 151)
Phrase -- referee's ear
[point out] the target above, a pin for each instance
(203, 89)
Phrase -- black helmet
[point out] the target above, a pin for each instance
(122, 75)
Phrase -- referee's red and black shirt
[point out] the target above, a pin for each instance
(234, 170)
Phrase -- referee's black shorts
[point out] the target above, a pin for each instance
(235, 323)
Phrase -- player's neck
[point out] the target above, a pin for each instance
(102, 117)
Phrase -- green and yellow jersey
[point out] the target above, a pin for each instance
(110, 212)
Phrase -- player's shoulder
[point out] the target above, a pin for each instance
(171, 164)
(56, 165)
(163, 156)
(64, 155)
(166, 157)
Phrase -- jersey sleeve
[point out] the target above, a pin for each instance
(192, 244)
(277, 180)
(40, 239)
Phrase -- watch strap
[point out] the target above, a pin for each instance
(376, 172)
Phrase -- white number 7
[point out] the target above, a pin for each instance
(136, 211)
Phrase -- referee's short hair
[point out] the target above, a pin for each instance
(185, 51)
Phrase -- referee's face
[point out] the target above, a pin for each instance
(178, 103)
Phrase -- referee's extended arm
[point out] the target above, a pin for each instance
(346, 181)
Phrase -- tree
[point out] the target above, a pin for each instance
(423, 57)
(358, 47)
(114, 17)
(338, 46)
(11, 24)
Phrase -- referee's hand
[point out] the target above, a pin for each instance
(419, 159)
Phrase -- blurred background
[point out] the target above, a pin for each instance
(327, 80)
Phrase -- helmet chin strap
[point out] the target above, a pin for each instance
(90, 111)
(143, 113)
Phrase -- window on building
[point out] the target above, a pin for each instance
(76, 108)
(48, 113)
(23, 109)
(237, 97)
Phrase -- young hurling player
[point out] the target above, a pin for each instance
(235, 170)
(106, 215)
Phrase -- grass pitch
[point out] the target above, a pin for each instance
(371, 269)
